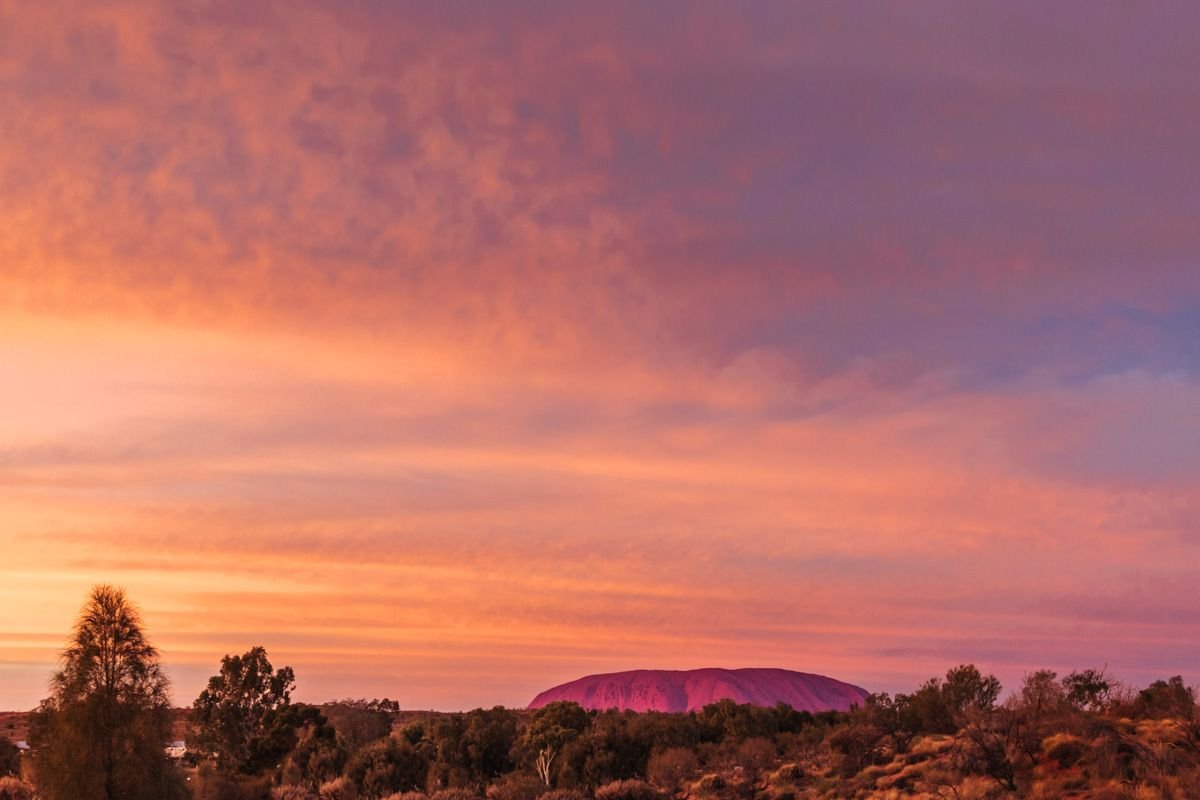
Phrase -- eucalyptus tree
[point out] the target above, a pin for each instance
(100, 735)
(244, 718)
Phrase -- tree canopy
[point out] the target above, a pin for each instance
(100, 734)
(244, 717)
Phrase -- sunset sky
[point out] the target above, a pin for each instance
(454, 350)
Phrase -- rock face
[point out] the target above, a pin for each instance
(688, 690)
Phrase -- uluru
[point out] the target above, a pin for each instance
(688, 690)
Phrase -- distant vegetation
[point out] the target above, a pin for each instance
(100, 736)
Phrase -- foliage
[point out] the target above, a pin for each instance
(552, 728)
(385, 767)
(359, 722)
(474, 748)
(243, 718)
(211, 784)
(314, 752)
(1090, 690)
(10, 758)
(15, 789)
(672, 768)
(100, 734)
(516, 786)
(1170, 698)
(627, 790)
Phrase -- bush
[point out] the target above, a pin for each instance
(387, 767)
(786, 774)
(1067, 750)
(338, 789)
(407, 796)
(754, 756)
(213, 785)
(10, 758)
(454, 794)
(293, 792)
(516, 786)
(15, 789)
(671, 768)
(708, 786)
(565, 794)
(627, 790)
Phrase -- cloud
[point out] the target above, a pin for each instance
(576, 339)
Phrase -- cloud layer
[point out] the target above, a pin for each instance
(452, 354)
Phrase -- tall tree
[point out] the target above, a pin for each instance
(101, 733)
(244, 718)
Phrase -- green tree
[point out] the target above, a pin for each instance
(244, 717)
(552, 728)
(387, 766)
(101, 733)
(1090, 689)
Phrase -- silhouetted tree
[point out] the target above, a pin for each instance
(1090, 690)
(101, 733)
(241, 718)
(1166, 699)
(1042, 695)
(966, 690)
(10, 758)
(359, 722)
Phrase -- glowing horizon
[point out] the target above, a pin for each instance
(451, 355)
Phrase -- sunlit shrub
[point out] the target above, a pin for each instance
(15, 789)
(627, 790)
(516, 786)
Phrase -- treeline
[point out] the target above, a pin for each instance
(100, 736)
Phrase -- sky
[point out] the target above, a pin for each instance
(451, 351)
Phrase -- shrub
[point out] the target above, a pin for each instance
(386, 767)
(516, 786)
(627, 790)
(1067, 750)
(754, 756)
(213, 785)
(708, 786)
(337, 789)
(787, 773)
(565, 794)
(454, 794)
(15, 789)
(10, 758)
(671, 768)
(293, 792)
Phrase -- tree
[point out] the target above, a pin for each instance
(100, 734)
(359, 722)
(244, 718)
(1090, 689)
(10, 758)
(554, 726)
(1166, 699)
(1041, 694)
(387, 766)
(966, 689)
